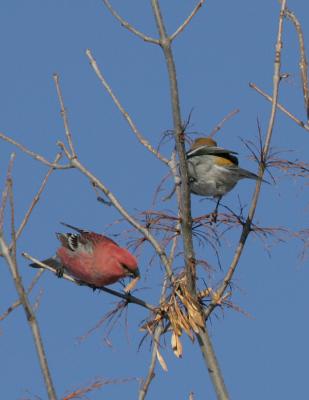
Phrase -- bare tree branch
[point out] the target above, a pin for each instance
(221, 123)
(185, 200)
(185, 204)
(247, 226)
(151, 374)
(212, 362)
(125, 114)
(303, 65)
(187, 21)
(10, 258)
(64, 115)
(32, 154)
(17, 303)
(156, 338)
(128, 26)
(36, 198)
(269, 98)
(5, 191)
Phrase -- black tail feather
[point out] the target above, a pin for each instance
(73, 227)
(51, 262)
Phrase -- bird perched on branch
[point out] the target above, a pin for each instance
(91, 258)
(213, 171)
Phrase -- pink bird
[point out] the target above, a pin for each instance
(91, 258)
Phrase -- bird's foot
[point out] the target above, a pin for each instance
(105, 202)
(59, 271)
(93, 287)
(213, 217)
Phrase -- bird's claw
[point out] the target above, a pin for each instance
(59, 272)
(213, 217)
(93, 287)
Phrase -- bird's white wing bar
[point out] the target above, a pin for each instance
(208, 150)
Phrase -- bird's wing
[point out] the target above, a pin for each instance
(84, 241)
(226, 160)
(74, 242)
(209, 150)
(224, 154)
(96, 238)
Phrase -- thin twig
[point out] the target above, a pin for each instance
(11, 261)
(185, 200)
(125, 296)
(151, 374)
(247, 226)
(157, 333)
(5, 191)
(17, 303)
(128, 26)
(269, 98)
(187, 21)
(32, 154)
(303, 65)
(125, 114)
(97, 384)
(64, 116)
(221, 123)
(212, 362)
(156, 342)
(36, 198)
(173, 166)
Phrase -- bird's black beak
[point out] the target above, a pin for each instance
(132, 273)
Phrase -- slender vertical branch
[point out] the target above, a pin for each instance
(64, 115)
(5, 191)
(156, 337)
(247, 226)
(303, 64)
(212, 364)
(31, 320)
(10, 258)
(185, 201)
(151, 374)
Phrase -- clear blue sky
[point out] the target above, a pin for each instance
(226, 46)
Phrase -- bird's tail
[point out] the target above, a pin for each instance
(51, 262)
(250, 175)
(79, 230)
